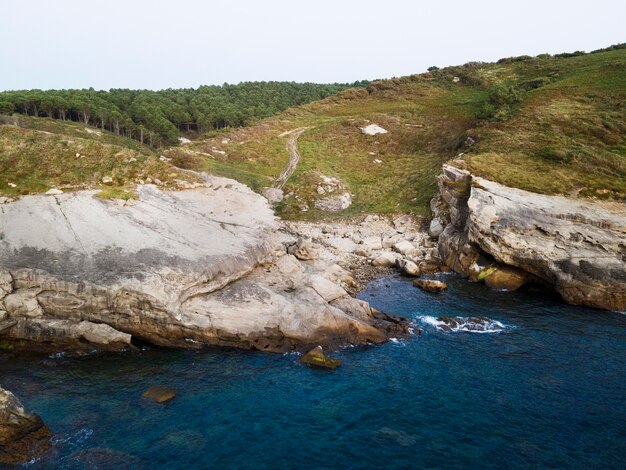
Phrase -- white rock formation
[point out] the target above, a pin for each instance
(373, 129)
(179, 268)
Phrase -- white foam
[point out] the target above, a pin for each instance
(467, 324)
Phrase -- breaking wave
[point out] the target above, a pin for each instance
(468, 324)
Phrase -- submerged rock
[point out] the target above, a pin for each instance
(159, 394)
(23, 436)
(316, 358)
(430, 285)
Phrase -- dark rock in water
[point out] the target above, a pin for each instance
(399, 437)
(23, 436)
(159, 394)
(101, 458)
(430, 285)
(316, 358)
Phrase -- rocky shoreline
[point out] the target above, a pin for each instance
(508, 237)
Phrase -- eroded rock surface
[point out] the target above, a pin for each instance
(576, 246)
(178, 268)
(23, 436)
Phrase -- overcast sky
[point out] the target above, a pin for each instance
(168, 44)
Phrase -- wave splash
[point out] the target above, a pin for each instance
(468, 324)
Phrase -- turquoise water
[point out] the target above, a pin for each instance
(547, 389)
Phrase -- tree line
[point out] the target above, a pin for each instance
(159, 117)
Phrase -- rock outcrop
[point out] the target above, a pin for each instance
(177, 268)
(23, 436)
(576, 246)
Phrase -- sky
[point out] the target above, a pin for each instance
(156, 44)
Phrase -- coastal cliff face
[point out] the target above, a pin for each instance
(176, 268)
(507, 237)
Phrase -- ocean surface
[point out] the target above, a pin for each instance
(544, 387)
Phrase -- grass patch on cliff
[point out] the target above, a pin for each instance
(32, 161)
(117, 193)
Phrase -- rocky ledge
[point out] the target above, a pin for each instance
(508, 237)
(207, 266)
(23, 436)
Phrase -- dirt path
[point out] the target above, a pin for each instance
(294, 157)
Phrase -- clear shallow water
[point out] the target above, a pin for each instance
(547, 390)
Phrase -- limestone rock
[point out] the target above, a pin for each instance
(107, 179)
(430, 285)
(404, 247)
(178, 269)
(506, 278)
(574, 245)
(328, 290)
(435, 228)
(334, 203)
(304, 250)
(23, 436)
(372, 243)
(385, 260)
(317, 359)
(54, 192)
(159, 394)
(373, 129)
(409, 268)
(273, 195)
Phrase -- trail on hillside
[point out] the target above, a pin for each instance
(294, 157)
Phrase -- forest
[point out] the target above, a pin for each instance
(158, 118)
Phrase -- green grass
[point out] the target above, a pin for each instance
(34, 161)
(553, 125)
(114, 192)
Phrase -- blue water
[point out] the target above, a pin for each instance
(547, 391)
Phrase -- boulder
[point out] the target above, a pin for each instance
(159, 394)
(23, 436)
(428, 267)
(435, 228)
(410, 268)
(334, 203)
(273, 195)
(404, 247)
(317, 359)
(385, 260)
(53, 192)
(372, 243)
(304, 250)
(373, 129)
(430, 285)
(505, 277)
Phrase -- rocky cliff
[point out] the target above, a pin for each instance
(508, 237)
(174, 268)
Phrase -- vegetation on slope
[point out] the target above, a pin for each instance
(159, 117)
(46, 154)
(550, 124)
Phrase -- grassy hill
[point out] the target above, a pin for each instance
(550, 124)
(38, 154)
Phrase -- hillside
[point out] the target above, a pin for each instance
(159, 118)
(549, 124)
(38, 154)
